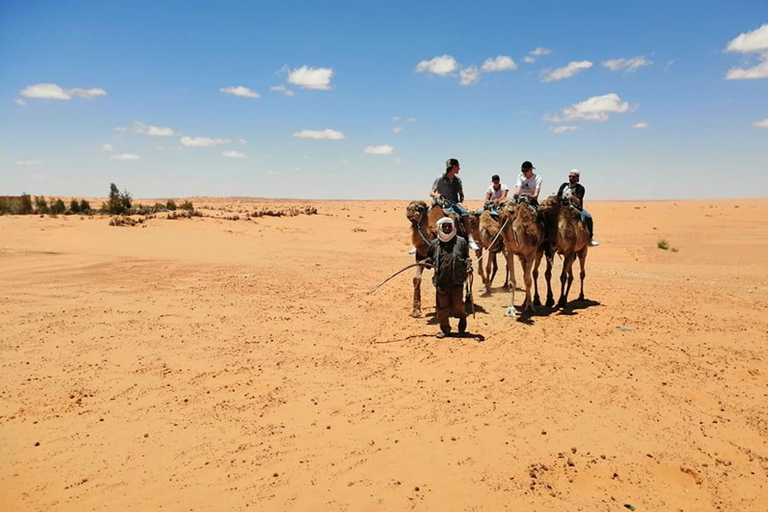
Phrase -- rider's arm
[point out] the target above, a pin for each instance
(434, 193)
(578, 195)
(535, 194)
(487, 196)
(504, 192)
(518, 186)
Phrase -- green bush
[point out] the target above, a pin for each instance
(186, 205)
(41, 206)
(58, 207)
(25, 205)
(74, 206)
(118, 202)
(171, 205)
(85, 206)
(662, 244)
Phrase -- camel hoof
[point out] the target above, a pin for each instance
(562, 303)
(511, 313)
(550, 302)
(537, 302)
(581, 297)
(416, 313)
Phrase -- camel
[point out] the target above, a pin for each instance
(523, 235)
(423, 231)
(569, 237)
(485, 230)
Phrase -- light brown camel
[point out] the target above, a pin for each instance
(523, 235)
(485, 229)
(423, 231)
(569, 237)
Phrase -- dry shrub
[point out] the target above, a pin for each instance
(288, 211)
(122, 220)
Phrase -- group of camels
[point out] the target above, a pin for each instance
(520, 230)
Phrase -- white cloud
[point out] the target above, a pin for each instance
(540, 51)
(469, 76)
(628, 65)
(442, 65)
(750, 42)
(596, 108)
(411, 119)
(21, 102)
(397, 129)
(573, 67)
(147, 129)
(202, 142)
(57, 92)
(564, 129)
(320, 134)
(395, 118)
(311, 78)
(28, 162)
(385, 149)
(126, 156)
(500, 63)
(528, 59)
(241, 91)
(107, 147)
(761, 124)
(759, 71)
(283, 89)
(640, 125)
(233, 154)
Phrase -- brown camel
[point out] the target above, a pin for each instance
(523, 235)
(485, 230)
(423, 231)
(569, 237)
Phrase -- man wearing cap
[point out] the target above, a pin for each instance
(449, 254)
(528, 184)
(497, 190)
(574, 191)
(449, 187)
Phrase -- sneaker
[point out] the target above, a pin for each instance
(593, 243)
(462, 324)
(412, 251)
(473, 244)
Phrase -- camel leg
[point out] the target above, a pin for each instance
(548, 276)
(583, 273)
(566, 276)
(416, 312)
(479, 256)
(536, 298)
(510, 257)
(511, 308)
(491, 269)
(528, 306)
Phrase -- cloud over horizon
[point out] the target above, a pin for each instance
(761, 124)
(596, 108)
(233, 154)
(126, 156)
(57, 92)
(627, 65)
(573, 67)
(384, 149)
(327, 134)
(147, 129)
(564, 129)
(443, 65)
(311, 78)
(241, 91)
(755, 41)
(640, 125)
(202, 142)
(500, 63)
(469, 76)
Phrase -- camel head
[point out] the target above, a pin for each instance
(506, 209)
(415, 211)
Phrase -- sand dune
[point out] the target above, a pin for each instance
(207, 364)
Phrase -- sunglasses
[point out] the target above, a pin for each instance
(572, 177)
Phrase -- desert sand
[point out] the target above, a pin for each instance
(207, 364)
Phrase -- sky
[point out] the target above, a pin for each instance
(366, 100)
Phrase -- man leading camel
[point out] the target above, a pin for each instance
(574, 191)
(449, 187)
(449, 254)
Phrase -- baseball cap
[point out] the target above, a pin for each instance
(527, 165)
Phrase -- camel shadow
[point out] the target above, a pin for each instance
(574, 306)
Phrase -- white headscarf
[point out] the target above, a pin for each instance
(445, 237)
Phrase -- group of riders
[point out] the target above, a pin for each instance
(449, 252)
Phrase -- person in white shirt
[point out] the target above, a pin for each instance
(497, 190)
(528, 184)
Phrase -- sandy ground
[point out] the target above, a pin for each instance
(208, 365)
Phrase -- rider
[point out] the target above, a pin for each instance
(497, 190)
(574, 191)
(528, 184)
(449, 187)
(450, 257)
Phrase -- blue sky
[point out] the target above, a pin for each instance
(356, 100)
